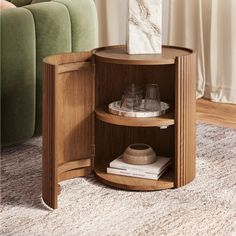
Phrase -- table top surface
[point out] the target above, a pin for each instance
(119, 55)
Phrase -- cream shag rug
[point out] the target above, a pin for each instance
(207, 206)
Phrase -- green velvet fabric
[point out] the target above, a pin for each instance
(83, 24)
(38, 1)
(55, 27)
(18, 72)
(20, 3)
(53, 36)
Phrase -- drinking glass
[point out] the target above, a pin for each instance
(132, 98)
(152, 98)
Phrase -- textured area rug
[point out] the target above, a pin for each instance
(207, 206)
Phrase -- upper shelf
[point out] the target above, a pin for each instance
(118, 55)
(104, 115)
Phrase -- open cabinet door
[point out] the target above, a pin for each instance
(68, 122)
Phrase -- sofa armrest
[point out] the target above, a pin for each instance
(61, 26)
(18, 75)
(29, 34)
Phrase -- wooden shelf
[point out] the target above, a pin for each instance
(137, 184)
(103, 114)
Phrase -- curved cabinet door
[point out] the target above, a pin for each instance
(68, 123)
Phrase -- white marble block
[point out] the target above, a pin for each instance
(144, 34)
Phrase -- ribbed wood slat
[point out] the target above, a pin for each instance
(185, 119)
(68, 121)
(49, 185)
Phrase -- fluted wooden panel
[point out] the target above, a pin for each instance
(49, 184)
(68, 123)
(185, 108)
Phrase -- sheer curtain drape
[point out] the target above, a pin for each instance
(209, 27)
(112, 21)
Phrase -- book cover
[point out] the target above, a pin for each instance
(142, 172)
(135, 174)
(154, 168)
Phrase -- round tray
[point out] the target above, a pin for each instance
(115, 109)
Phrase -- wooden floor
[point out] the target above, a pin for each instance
(216, 113)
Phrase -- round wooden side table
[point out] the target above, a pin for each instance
(80, 136)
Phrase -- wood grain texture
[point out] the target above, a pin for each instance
(49, 163)
(74, 165)
(118, 55)
(103, 114)
(114, 133)
(73, 67)
(128, 183)
(216, 113)
(112, 140)
(74, 173)
(74, 108)
(68, 136)
(185, 108)
(113, 79)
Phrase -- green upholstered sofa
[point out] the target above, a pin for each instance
(30, 32)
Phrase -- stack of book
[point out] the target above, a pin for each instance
(150, 171)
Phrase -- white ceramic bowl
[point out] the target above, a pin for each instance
(139, 154)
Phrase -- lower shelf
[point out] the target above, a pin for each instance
(128, 183)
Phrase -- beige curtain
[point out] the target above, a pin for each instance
(208, 26)
(112, 21)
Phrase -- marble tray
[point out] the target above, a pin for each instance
(115, 109)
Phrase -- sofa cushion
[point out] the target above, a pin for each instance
(73, 30)
(84, 26)
(29, 34)
(18, 66)
(21, 3)
(53, 36)
(38, 1)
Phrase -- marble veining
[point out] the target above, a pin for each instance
(144, 27)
